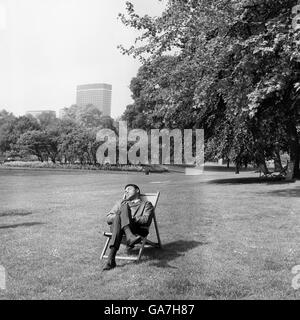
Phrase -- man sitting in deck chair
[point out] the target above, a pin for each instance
(130, 216)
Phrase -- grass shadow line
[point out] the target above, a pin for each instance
(286, 193)
(14, 213)
(17, 225)
(249, 180)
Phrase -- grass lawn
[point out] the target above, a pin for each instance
(224, 237)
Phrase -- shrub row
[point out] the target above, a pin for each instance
(51, 165)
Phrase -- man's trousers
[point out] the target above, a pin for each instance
(121, 220)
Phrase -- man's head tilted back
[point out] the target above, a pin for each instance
(132, 191)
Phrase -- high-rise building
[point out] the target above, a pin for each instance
(98, 94)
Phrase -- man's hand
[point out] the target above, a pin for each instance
(110, 218)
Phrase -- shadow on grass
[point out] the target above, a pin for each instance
(286, 193)
(249, 181)
(207, 168)
(17, 225)
(170, 251)
(225, 169)
(13, 213)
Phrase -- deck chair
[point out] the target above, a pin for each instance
(153, 198)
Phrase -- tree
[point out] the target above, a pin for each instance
(163, 92)
(74, 146)
(241, 65)
(47, 119)
(5, 117)
(13, 129)
(88, 116)
(53, 140)
(34, 142)
(106, 122)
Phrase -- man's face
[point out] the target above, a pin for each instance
(131, 193)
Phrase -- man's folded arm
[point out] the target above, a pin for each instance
(146, 217)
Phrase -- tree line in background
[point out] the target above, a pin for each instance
(231, 67)
(68, 140)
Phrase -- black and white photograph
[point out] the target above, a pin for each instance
(149, 152)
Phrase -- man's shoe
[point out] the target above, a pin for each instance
(109, 265)
(132, 242)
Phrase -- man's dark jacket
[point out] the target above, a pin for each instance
(141, 211)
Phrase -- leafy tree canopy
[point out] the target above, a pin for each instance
(230, 67)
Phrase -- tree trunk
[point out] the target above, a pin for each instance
(294, 151)
(237, 168)
(277, 164)
(260, 161)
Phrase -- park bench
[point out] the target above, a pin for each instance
(153, 198)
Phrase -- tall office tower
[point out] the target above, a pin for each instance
(98, 94)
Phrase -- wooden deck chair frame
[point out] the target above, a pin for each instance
(153, 198)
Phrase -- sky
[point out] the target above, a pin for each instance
(48, 47)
